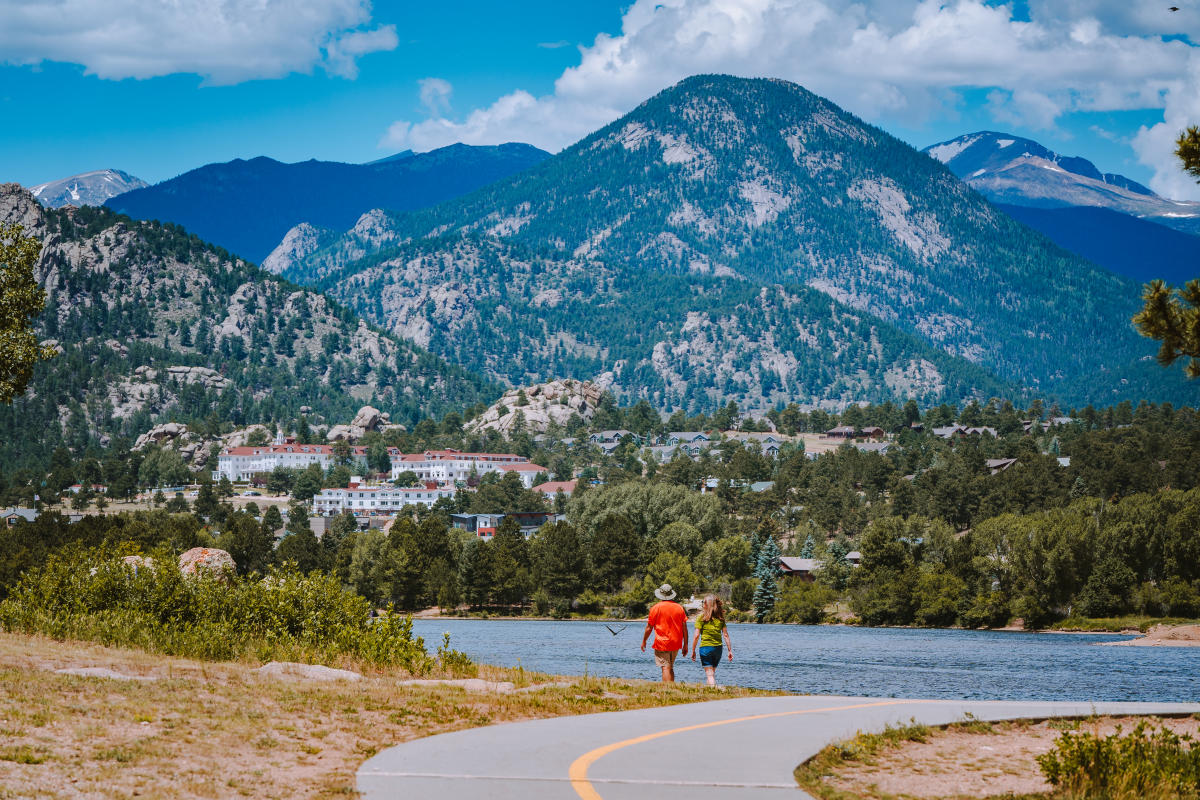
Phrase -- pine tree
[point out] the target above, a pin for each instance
(767, 573)
(809, 548)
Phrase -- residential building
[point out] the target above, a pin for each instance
(454, 466)
(13, 516)
(246, 462)
(604, 437)
(688, 437)
(841, 432)
(377, 500)
(998, 465)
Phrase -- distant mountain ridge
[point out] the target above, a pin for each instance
(749, 240)
(1017, 171)
(86, 189)
(248, 206)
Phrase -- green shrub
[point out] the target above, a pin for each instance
(1141, 764)
(92, 595)
(802, 601)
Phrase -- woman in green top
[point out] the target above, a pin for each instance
(710, 627)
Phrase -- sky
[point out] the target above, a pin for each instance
(158, 87)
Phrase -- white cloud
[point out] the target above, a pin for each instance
(435, 95)
(886, 60)
(225, 41)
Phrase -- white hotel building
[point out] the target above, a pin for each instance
(452, 466)
(376, 500)
(243, 463)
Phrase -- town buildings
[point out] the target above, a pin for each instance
(454, 466)
(246, 462)
(363, 500)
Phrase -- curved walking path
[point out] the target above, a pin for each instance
(719, 749)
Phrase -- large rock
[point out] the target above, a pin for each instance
(544, 404)
(206, 560)
(160, 434)
(315, 672)
(367, 418)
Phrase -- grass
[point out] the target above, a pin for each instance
(1110, 624)
(218, 729)
(862, 748)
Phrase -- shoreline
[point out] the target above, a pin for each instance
(424, 616)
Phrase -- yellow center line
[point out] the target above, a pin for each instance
(578, 772)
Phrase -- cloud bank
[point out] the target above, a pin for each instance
(225, 41)
(897, 60)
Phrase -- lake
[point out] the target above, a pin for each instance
(879, 662)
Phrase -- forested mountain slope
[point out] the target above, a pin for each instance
(247, 206)
(734, 187)
(156, 324)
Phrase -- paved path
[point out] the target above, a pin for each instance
(719, 749)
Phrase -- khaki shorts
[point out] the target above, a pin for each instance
(665, 658)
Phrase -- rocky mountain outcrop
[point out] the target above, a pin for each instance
(535, 408)
(149, 320)
(298, 243)
(367, 419)
(196, 449)
(748, 240)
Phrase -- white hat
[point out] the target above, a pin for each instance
(665, 592)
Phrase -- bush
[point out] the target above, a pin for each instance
(94, 595)
(802, 602)
(1142, 764)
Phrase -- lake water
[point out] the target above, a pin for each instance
(879, 662)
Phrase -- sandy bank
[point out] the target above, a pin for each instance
(1164, 636)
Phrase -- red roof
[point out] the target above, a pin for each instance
(284, 449)
(524, 467)
(554, 487)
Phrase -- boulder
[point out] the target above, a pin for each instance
(210, 560)
(368, 418)
(340, 432)
(160, 434)
(315, 672)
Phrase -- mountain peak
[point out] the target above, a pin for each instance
(86, 188)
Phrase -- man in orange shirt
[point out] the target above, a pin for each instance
(668, 620)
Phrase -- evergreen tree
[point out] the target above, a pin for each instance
(767, 573)
(559, 559)
(809, 549)
(206, 504)
(300, 544)
(475, 572)
(510, 564)
(248, 542)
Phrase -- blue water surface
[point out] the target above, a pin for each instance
(879, 662)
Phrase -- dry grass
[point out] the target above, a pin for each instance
(208, 730)
(969, 760)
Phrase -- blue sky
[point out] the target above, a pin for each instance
(157, 89)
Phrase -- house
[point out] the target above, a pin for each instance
(1063, 461)
(688, 437)
(604, 437)
(873, 447)
(762, 486)
(948, 432)
(916, 427)
(841, 432)
(96, 488)
(794, 567)
(554, 487)
(998, 465)
(873, 432)
(14, 516)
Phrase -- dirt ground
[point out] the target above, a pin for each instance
(217, 730)
(1165, 636)
(975, 760)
